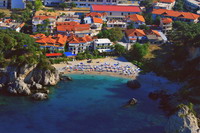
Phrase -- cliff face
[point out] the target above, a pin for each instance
(184, 121)
(26, 80)
(194, 52)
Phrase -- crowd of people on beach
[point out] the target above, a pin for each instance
(104, 67)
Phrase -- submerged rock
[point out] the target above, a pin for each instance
(40, 96)
(65, 78)
(131, 102)
(133, 84)
(157, 94)
(183, 121)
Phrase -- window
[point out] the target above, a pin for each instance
(110, 13)
(88, 4)
(122, 13)
(107, 0)
(91, 0)
(114, 0)
(129, 13)
(99, 0)
(82, 0)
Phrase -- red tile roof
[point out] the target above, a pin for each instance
(135, 32)
(44, 17)
(136, 18)
(53, 54)
(166, 20)
(97, 20)
(116, 8)
(72, 27)
(167, 1)
(95, 14)
(75, 39)
(171, 13)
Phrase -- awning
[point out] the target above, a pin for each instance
(69, 54)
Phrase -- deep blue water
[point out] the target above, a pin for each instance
(88, 104)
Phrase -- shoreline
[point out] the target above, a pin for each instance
(100, 73)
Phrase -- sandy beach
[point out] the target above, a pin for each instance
(121, 61)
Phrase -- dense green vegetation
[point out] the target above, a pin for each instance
(114, 34)
(17, 49)
(179, 5)
(38, 5)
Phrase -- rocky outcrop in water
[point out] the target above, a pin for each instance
(183, 121)
(133, 84)
(131, 102)
(40, 96)
(25, 80)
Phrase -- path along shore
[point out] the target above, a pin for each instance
(112, 66)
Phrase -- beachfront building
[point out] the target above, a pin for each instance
(116, 23)
(164, 4)
(135, 35)
(103, 45)
(72, 27)
(51, 43)
(116, 11)
(166, 25)
(136, 20)
(68, 16)
(88, 3)
(41, 20)
(176, 15)
(11, 24)
(192, 5)
(79, 44)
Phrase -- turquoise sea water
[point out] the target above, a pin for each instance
(88, 104)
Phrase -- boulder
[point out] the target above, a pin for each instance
(133, 84)
(38, 86)
(40, 96)
(19, 87)
(131, 102)
(157, 94)
(1, 86)
(183, 121)
(65, 78)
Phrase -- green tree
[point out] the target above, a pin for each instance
(114, 34)
(64, 5)
(144, 27)
(119, 49)
(138, 51)
(179, 5)
(2, 14)
(38, 5)
(72, 4)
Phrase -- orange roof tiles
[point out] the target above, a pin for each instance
(136, 17)
(135, 32)
(72, 26)
(167, 1)
(155, 32)
(77, 40)
(44, 17)
(95, 14)
(166, 20)
(97, 20)
(171, 13)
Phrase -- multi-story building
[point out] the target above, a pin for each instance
(175, 15)
(164, 4)
(116, 23)
(116, 11)
(53, 2)
(192, 5)
(79, 44)
(103, 45)
(166, 25)
(40, 20)
(134, 35)
(88, 3)
(11, 24)
(21, 4)
(136, 20)
(4, 3)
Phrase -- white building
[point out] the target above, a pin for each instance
(116, 23)
(164, 4)
(88, 3)
(103, 45)
(192, 5)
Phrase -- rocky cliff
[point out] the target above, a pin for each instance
(27, 80)
(183, 121)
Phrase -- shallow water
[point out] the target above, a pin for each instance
(88, 104)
